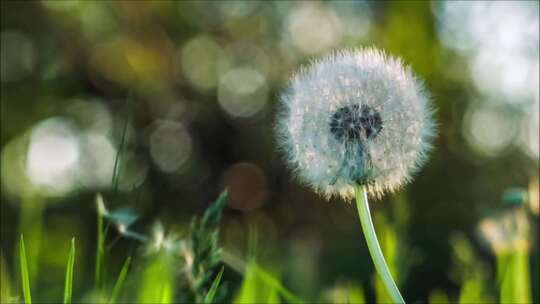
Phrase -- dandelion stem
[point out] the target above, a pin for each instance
(373, 244)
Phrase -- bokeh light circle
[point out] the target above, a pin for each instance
(243, 92)
(170, 145)
(53, 156)
(489, 129)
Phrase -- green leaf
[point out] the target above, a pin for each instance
(120, 281)
(25, 278)
(212, 292)
(68, 287)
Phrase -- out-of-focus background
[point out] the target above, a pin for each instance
(189, 91)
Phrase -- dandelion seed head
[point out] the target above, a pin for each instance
(356, 116)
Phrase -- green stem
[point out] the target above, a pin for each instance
(373, 244)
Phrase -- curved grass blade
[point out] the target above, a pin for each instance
(100, 248)
(253, 273)
(25, 278)
(272, 281)
(212, 292)
(254, 289)
(68, 287)
(120, 281)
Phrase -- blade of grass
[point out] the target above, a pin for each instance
(100, 248)
(253, 290)
(25, 278)
(68, 287)
(120, 281)
(275, 284)
(250, 269)
(116, 167)
(215, 284)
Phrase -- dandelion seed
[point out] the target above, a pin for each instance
(355, 117)
(161, 241)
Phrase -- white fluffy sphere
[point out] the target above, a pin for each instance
(355, 117)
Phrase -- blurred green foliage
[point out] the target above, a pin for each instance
(514, 277)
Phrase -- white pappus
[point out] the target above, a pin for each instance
(355, 117)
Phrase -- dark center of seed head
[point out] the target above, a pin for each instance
(355, 122)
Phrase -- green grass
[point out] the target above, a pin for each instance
(195, 272)
(212, 292)
(260, 286)
(120, 281)
(514, 277)
(100, 248)
(158, 282)
(470, 271)
(68, 287)
(275, 284)
(254, 289)
(25, 277)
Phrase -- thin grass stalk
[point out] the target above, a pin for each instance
(25, 277)
(100, 251)
(116, 167)
(209, 298)
(272, 281)
(68, 287)
(120, 281)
